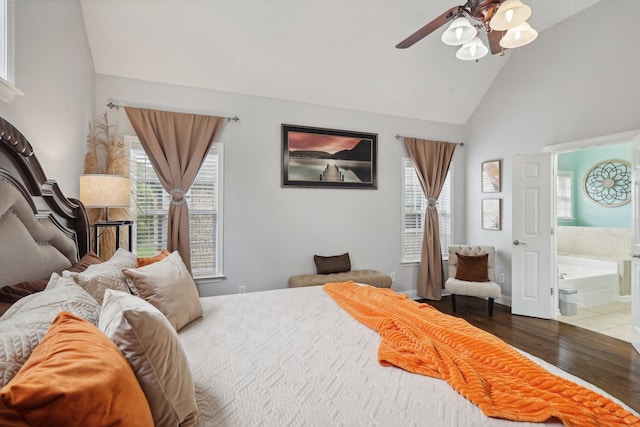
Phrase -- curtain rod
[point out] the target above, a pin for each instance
(117, 107)
(400, 136)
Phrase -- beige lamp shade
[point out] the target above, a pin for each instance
(518, 36)
(511, 13)
(105, 191)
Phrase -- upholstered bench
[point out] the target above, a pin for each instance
(337, 268)
(369, 277)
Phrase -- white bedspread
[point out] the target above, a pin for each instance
(293, 357)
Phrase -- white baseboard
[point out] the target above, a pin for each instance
(504, 300)
(412, 294)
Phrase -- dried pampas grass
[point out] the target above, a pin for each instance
(103, 143)
(91, 164)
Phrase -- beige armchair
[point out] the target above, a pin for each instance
(472, 272)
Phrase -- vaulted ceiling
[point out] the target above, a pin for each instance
(328, 52)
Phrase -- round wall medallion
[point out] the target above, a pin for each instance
(608, 183)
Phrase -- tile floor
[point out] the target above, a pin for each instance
(613, 319)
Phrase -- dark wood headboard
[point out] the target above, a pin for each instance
(19, 165)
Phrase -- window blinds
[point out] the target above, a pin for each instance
(414, 206)
(564, 195)
(150, 205)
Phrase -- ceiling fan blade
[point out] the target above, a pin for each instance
(494, 41)
(429, 28)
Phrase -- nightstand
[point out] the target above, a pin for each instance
(112, 224)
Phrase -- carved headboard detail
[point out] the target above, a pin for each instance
(20, 167)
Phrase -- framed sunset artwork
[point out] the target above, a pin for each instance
(328, 158)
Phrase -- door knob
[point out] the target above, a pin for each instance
(517, 242)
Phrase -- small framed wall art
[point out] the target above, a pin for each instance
(492, 214)
(491, 176)
(328, 158)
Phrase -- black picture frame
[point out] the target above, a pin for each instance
(328, 158)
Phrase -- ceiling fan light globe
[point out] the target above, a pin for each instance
(510, 14)
(460, 31)
(472, 50)
(518, 36)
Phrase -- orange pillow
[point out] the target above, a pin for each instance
(150, 260)
(76, 376)
(473, 268)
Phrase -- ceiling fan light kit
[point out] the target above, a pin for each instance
(518, 36)
(511, 13)
(503, 20)
(460, 31)
(473, 50)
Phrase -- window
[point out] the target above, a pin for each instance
(564, 195)
(413, 208)
(7, 90)
(151, 207)
(3, 39)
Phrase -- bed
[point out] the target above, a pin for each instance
(283, 357)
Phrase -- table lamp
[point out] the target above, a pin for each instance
(105, 191)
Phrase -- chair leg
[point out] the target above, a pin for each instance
(453, 302)
(490, 307)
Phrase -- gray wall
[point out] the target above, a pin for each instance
(570, 84)
(578, 80)
(54, 69)
(270, 232)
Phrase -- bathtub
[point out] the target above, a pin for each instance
(595, 280)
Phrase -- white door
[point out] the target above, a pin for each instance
(532, 256)
(635, 245)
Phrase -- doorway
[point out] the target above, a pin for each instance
(593, 238)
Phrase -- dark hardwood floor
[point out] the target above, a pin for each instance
(608, 363)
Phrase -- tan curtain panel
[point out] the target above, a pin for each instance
(432, 160)
(177, 145)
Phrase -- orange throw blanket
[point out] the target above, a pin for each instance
(478, 365)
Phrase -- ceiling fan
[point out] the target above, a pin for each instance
(503, 20)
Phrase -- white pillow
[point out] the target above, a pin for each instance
(151, 344)
(106, 275)
(168, 286)
(27, 321)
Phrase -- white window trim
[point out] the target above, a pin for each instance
(8, 91)
(219, 276)
(219, 224)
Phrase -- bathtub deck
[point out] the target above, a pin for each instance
(596, 281)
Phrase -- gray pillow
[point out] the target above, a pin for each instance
(151, 345)
(107, 275)
(27, 321)
(168, 286)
